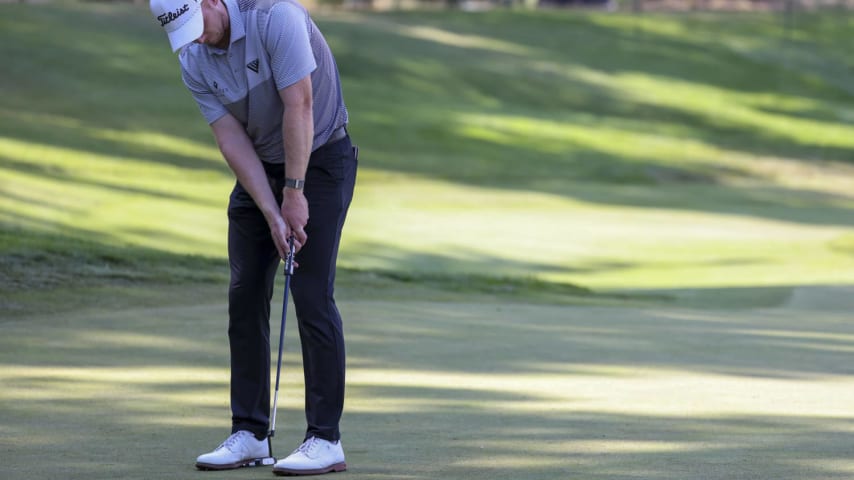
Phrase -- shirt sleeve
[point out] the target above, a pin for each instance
(289, 45)
(211, 107)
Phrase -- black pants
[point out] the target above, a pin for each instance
(254, 263)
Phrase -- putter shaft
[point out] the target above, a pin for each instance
(289, 270)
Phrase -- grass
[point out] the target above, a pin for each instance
(583, 246)
(454, 390)
(717, 145)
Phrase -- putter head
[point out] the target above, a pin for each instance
(262, 462)
(254, 462)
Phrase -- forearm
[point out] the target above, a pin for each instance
(240, 155)
(297, 127)
(297, 134)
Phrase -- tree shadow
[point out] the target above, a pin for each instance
(415, 113)
(66, 176)
(483, 443)
(759, 343)
(460, 81)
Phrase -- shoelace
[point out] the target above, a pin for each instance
(307, 447)
(233, 439)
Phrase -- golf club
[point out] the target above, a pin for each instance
(289, 270)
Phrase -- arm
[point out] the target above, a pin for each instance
(298, 135)
(244, 162)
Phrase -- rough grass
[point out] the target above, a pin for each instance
(563, 153)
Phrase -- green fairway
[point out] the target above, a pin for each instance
(584, 245)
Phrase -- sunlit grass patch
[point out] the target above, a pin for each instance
(553, 152)
(496, 390)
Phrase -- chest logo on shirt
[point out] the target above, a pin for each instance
(253, 65)
(217, 89)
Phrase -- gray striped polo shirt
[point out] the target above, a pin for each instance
(273, 44)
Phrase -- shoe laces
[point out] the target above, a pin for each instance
(233, 440)
(308, 447)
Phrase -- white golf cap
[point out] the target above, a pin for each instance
(182, 20)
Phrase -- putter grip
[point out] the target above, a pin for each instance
(289, 260)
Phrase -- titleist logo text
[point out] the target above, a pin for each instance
(170, 16)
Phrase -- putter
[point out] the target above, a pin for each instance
(270, 459)
(289, 270)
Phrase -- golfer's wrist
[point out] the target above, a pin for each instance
(274, 220)
(292, 194)
(292, 183)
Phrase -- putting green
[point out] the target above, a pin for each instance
(452, 390)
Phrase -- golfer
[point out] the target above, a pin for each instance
(267, 83)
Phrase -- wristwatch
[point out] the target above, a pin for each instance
(295, 183)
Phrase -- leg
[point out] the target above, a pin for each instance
(329, 186)
(253, 260)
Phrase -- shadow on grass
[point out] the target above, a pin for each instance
(573, 340)
(597, 445)
(406, 85)
(43, 273)
(446, 390)
(451, 81)
(139, 393)
(67, 177)
(37, 263)
(472, 338)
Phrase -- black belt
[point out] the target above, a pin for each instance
(337, 134)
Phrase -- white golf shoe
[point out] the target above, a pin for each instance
(314, 456)
(241, 449)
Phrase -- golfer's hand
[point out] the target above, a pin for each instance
(280, 233)
(295, 214)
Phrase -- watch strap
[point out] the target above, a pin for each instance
(295, 183)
